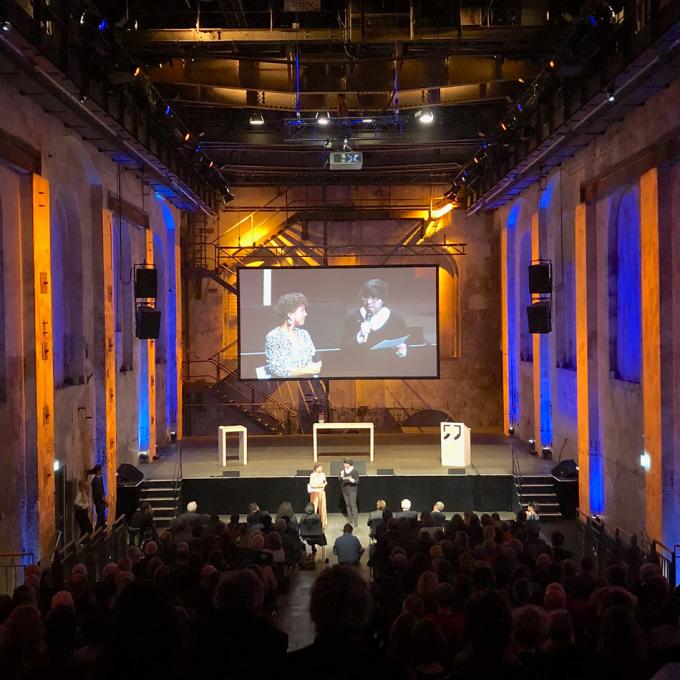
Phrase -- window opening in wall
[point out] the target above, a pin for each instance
(526, 352)
(625, 320)
(161, 297)
(565, 295)
(67, 293)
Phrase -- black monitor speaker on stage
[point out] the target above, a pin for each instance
(128, 474)
(128, 483)
(567, 469)
(538, 317)
(146, 282)
(565, 483)
(540, 278)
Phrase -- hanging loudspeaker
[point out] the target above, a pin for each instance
(146, 282)
(148, 323)
(540, 278)
(538, 316)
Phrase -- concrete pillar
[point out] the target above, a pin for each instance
(651, 350)
(43, 366)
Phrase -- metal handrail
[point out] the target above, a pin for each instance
(603, 542)
(517, 474)
(12, 574)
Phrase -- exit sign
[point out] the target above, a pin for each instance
(301, 5)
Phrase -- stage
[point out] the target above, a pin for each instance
(406, 465)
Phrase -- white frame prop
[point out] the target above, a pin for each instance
(343, 426)
(242, 432)
(455, 444)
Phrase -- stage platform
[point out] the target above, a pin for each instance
(406, 465)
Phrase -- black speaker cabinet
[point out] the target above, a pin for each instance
(567, 469)
(148, 325)
(538, 317)
(146, 283)
(540, 278)
(127, 473)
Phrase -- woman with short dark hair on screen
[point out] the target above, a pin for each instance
(372, 323)
(288, 347)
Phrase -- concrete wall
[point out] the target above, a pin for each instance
(619, 438)
(81, 178)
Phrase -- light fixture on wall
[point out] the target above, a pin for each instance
(256, 119)
(425, 116)
(645, 461)
(323, 119)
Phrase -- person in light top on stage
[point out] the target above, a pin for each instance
(288, 347)
(317, 492)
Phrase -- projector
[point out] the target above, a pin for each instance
(347, 160)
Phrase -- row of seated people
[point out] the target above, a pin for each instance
(479, 599)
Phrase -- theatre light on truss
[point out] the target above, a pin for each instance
(256, 119)
(425, 116)
(323, 118)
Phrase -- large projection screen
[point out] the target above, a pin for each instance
(338, 322)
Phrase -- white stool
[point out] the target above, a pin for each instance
(222, 432)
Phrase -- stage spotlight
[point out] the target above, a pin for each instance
(256, 119)
(546, 452)
(367, 121)
(137, 72)
(511, 431)
(103, 25)
(425, 116)
(323, 118)
(168, 110)
(504, 127)
(187, 136)
(552, 63)
(227, 197)
(611, 95)
(532, 445)
(6, 26)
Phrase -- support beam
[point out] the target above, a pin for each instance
(151, 364)
(109, 356)
(179, 340)
(536, 341)
(44, 367)
(651, 350)
(504, 330)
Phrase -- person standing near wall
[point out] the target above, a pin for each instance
(99, 495)
(81, 506)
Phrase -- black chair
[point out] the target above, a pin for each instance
(312, 533)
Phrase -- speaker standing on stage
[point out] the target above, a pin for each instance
(317, 492)
(349, 481)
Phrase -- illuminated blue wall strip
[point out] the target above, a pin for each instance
(143, 402)
(513, 381)
(170, 322)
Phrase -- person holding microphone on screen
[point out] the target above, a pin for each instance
(372, 323)
(289, 348)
